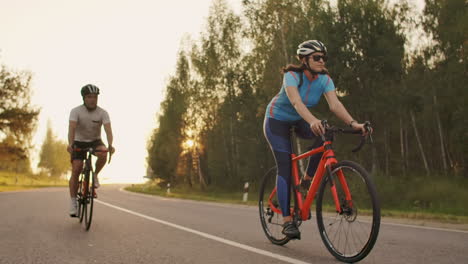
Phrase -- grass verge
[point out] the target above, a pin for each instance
(16, 181)
(209, 195)
(222, 196)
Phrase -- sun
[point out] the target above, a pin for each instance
(189, 143)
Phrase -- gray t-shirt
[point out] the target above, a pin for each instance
(89, 123)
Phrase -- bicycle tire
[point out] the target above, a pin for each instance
(272, 222)
(84, 196)
(351, 226)
(79, 199)
(89, 201)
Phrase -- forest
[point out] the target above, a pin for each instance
(404, 71)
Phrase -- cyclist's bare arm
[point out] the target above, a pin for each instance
(71, 135)
(110, 136)
(340, 111)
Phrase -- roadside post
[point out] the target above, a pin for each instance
(246, 192)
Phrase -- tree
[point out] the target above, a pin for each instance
(447, 22)
(17, 119)
(370, 67)
(165, 145)
(54, 157)
(216, 62)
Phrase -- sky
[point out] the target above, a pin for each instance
(128, 48)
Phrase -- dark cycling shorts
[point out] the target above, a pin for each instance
(81, 155)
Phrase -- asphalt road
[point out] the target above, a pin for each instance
(135, 228)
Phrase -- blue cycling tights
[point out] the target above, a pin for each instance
(278, 135)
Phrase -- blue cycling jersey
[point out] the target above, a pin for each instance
(280, 107)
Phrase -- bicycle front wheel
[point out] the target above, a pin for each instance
(89, 201)
(270, 214)
(350, 233)
(80, 199)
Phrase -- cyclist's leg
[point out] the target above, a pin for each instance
(303, 131)
(283, 182)
(277, 134)
(314, 160)
(100, 161)
(77, 167)
(101, 156)
(77, 158)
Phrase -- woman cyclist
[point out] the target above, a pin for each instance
(302, 87)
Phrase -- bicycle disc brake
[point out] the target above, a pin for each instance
(349, 213)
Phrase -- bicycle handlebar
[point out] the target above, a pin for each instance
(331, 130)
(92, 150)
(89, 149)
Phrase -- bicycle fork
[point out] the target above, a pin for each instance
(348, 201)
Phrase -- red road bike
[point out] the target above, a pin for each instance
(347, 209)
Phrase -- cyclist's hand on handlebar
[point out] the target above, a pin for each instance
(364, 129)
(317, 127)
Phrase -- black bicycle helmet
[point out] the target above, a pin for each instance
(89, 89)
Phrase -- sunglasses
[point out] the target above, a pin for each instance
(318, 57)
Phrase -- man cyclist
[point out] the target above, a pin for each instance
(84, 131)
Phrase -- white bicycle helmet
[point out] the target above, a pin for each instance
(311, 46)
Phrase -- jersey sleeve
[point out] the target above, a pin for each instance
(329, 85)
(73, 115)
(105, 117)
(291, 79)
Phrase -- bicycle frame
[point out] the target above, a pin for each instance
(87, 166)
(87, 162)
(326, 162)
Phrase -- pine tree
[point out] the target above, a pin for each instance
(54, 157)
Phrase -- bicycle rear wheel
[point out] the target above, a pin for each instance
(349, 235)
(89, 201)
(268, 205)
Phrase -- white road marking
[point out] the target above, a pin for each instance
(205, 235)
(426, 227)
